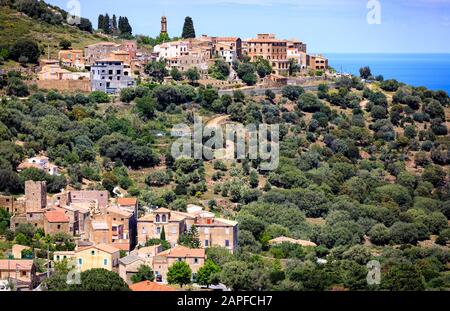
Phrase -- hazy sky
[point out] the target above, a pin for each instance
(325, 25)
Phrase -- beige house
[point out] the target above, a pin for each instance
(71, 58)
(195, 258)
(100, 256)
(268, 47)
(147, 253)
(17, 250)
(317, 62)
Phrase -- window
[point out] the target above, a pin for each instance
(119, 72)
(164, 218)
(206, 243)
(158, 230)
(105, 262)
(227, 243)
(57, 257)
(59, 227)
(158, 218)
(92, 253)
(195, 260)
(80, 261)
(206, 230)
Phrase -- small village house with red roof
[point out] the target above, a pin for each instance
(21, 272)
(56, 221)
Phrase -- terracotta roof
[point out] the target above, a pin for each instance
(162, 210)
(99, 225)
(226, 39)
(268, 40)
(22, 264)
(26, 165)
(19, 248)
(149, 249)
(122, 246)
(107, 248)
(104, 44)
(147, 286)
(56, 216)
(183, 252)
(126, 201)
(107, 60)
(118, 210)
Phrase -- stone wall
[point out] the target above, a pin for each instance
(63, 85)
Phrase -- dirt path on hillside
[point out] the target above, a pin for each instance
(218, 120)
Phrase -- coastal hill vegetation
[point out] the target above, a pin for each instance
(364, 171)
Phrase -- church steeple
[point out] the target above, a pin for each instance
(163, 25)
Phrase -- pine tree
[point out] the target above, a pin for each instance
(194, 237)
(188, 28)
(101, 19)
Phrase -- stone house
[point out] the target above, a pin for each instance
(195, 258)
(212, 231)
(56, 221)
(95, 52)
(129, 266)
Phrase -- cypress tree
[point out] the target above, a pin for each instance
(120, 27)
(188, 28)
(107, 24)
(101, 19)
(128, 29)
(114, 24)
(163, 234)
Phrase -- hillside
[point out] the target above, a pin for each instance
(14, 25)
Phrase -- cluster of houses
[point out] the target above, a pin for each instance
(104, 66)
(110, 66)
(201, 52)
(109, 233)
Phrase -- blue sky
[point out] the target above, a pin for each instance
(414, 26)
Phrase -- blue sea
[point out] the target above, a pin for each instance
(429, 70)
